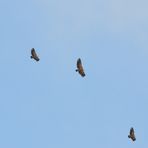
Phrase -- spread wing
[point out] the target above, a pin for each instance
(131, 131)
(79, 64)
(34, 55)
(80, 67)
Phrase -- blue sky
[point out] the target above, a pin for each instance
(46, 103)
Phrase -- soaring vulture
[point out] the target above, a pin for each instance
(34, 55)
(132, 134)
(80, 68)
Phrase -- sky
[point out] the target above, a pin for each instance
(46, 104)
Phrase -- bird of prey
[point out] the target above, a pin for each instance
(132, 134)
(34, 55)
(80, 68)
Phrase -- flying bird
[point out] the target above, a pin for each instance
(34, 55)
(80, 68)
(132, 134)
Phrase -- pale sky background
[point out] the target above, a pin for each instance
(46, 104)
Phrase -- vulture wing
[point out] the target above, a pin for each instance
(131, 131)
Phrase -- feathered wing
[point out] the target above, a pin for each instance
(34, 55)
(131, 131)
(80, 68)
(79, 63)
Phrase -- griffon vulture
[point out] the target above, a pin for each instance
(80, 68)
(34, 55)
(132, 134)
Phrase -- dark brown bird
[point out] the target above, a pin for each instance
(132, 134)
(80, 68)
(34, 55)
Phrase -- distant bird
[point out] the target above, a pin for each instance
(34, 55)
(132, 134)
(80, 68)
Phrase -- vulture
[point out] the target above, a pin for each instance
(132, 134)
(80, 68)
(34, 55)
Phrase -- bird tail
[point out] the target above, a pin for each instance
(83, 75)
(37, 59)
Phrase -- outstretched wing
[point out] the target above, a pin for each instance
(80, 67)
(79, 64)
(34, 55)
(132, 131)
